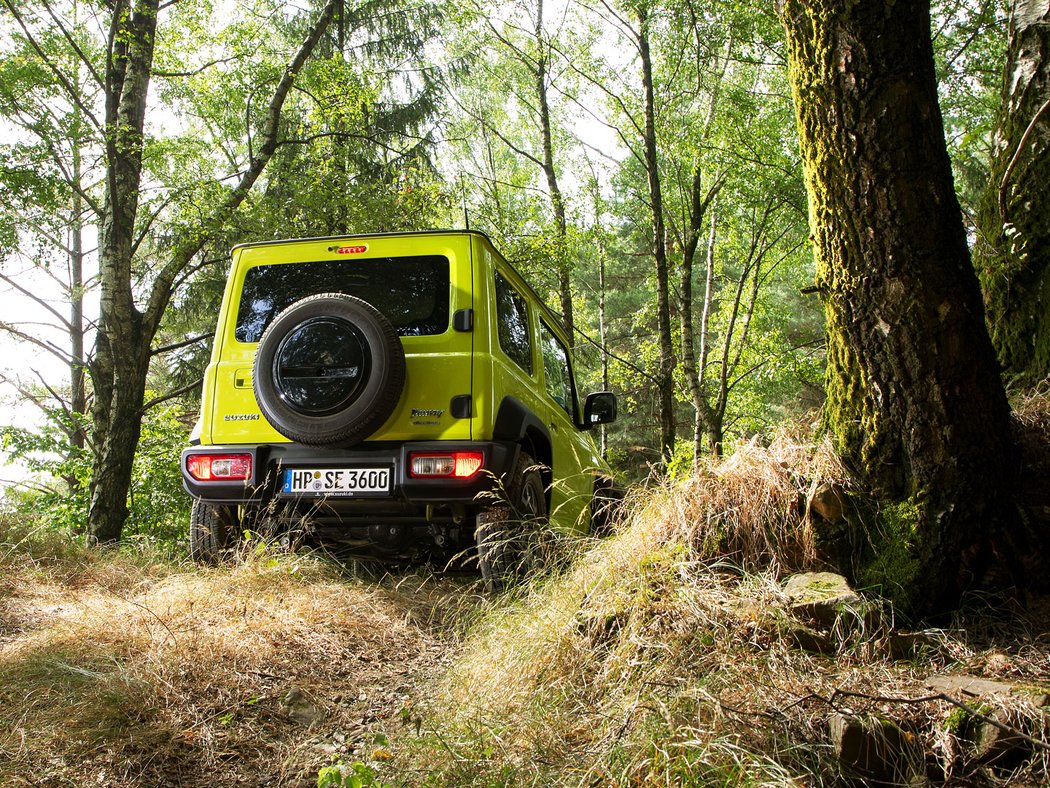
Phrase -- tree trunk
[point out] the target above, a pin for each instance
(914, 398)
(665, 375)
(119, 372)
(602, 340)
(704, 413)
(1013, 247)
(78, 359)
(122, 345)
(551, 174)
(694, 371)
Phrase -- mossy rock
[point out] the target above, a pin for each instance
(824, 598)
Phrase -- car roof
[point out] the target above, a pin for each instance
(555, 317)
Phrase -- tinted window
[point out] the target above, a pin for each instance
(556, 375)
(513, 321)
(413, 292)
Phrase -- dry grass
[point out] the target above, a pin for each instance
(667, 655)
(664, 655)
(117, 673)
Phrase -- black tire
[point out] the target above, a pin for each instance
(329, 370)
(606, 507)
(508, 531)
(213, 532)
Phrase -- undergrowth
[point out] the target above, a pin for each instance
(666, 654)
(139, 672)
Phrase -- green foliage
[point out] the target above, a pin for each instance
(681, 463)
(969, 46)
(158, 504)
(58, 500)
(347, 775)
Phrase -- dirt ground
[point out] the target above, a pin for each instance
(122, 675)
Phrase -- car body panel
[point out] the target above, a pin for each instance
(443, 370)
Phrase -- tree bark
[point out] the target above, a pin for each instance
(551, 174)
(693, 371)
(78, 359)
(915, 402)
(665, 375)
(1012, 253)
(121, 355)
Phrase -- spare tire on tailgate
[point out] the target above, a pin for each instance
(329, 370)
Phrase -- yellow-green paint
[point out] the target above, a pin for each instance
(438, 367)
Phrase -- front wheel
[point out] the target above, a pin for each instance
(508, 531)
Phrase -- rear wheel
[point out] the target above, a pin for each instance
(213, 532)
(508, 532)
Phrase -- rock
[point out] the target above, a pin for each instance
(1002, 749)
(811, 640)
(296, 704)
(964, 687)
(993, 746)
(822, 597)
(828, 502)
(876, 750)
(906, 646)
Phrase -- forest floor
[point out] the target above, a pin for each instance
(666, 654)
(120, 672)
(116, 671)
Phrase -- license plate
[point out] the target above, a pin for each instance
(345, 482)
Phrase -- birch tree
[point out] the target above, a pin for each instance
(1013, 242)
(133, 293)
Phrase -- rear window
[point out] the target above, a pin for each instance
(412, 292)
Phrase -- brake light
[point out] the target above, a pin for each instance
(351, 249)
(455, 465)
(219, 467)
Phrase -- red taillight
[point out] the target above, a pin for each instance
(351, 249)
(455, 465)
(219, 467)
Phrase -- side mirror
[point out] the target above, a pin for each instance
(600, 408)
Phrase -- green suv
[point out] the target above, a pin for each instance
(403, 393)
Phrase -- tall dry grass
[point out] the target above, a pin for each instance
(667, 654)
(116, 671)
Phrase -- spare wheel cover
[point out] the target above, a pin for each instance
(329, 370)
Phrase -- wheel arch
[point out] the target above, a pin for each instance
(515, 422)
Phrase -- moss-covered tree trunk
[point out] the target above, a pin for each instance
(914, 397)
(1013, 244)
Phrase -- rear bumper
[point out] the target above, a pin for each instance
(270, 460)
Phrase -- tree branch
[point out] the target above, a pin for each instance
(1016, 157)
(160, 293)
(171, 395)
(184, 343)
(71, 90)
(74, 45)
(54, 350)
(39, 301)
(194, 72)
(610, 354)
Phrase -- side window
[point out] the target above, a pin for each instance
(556, 374)
(513, 319)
